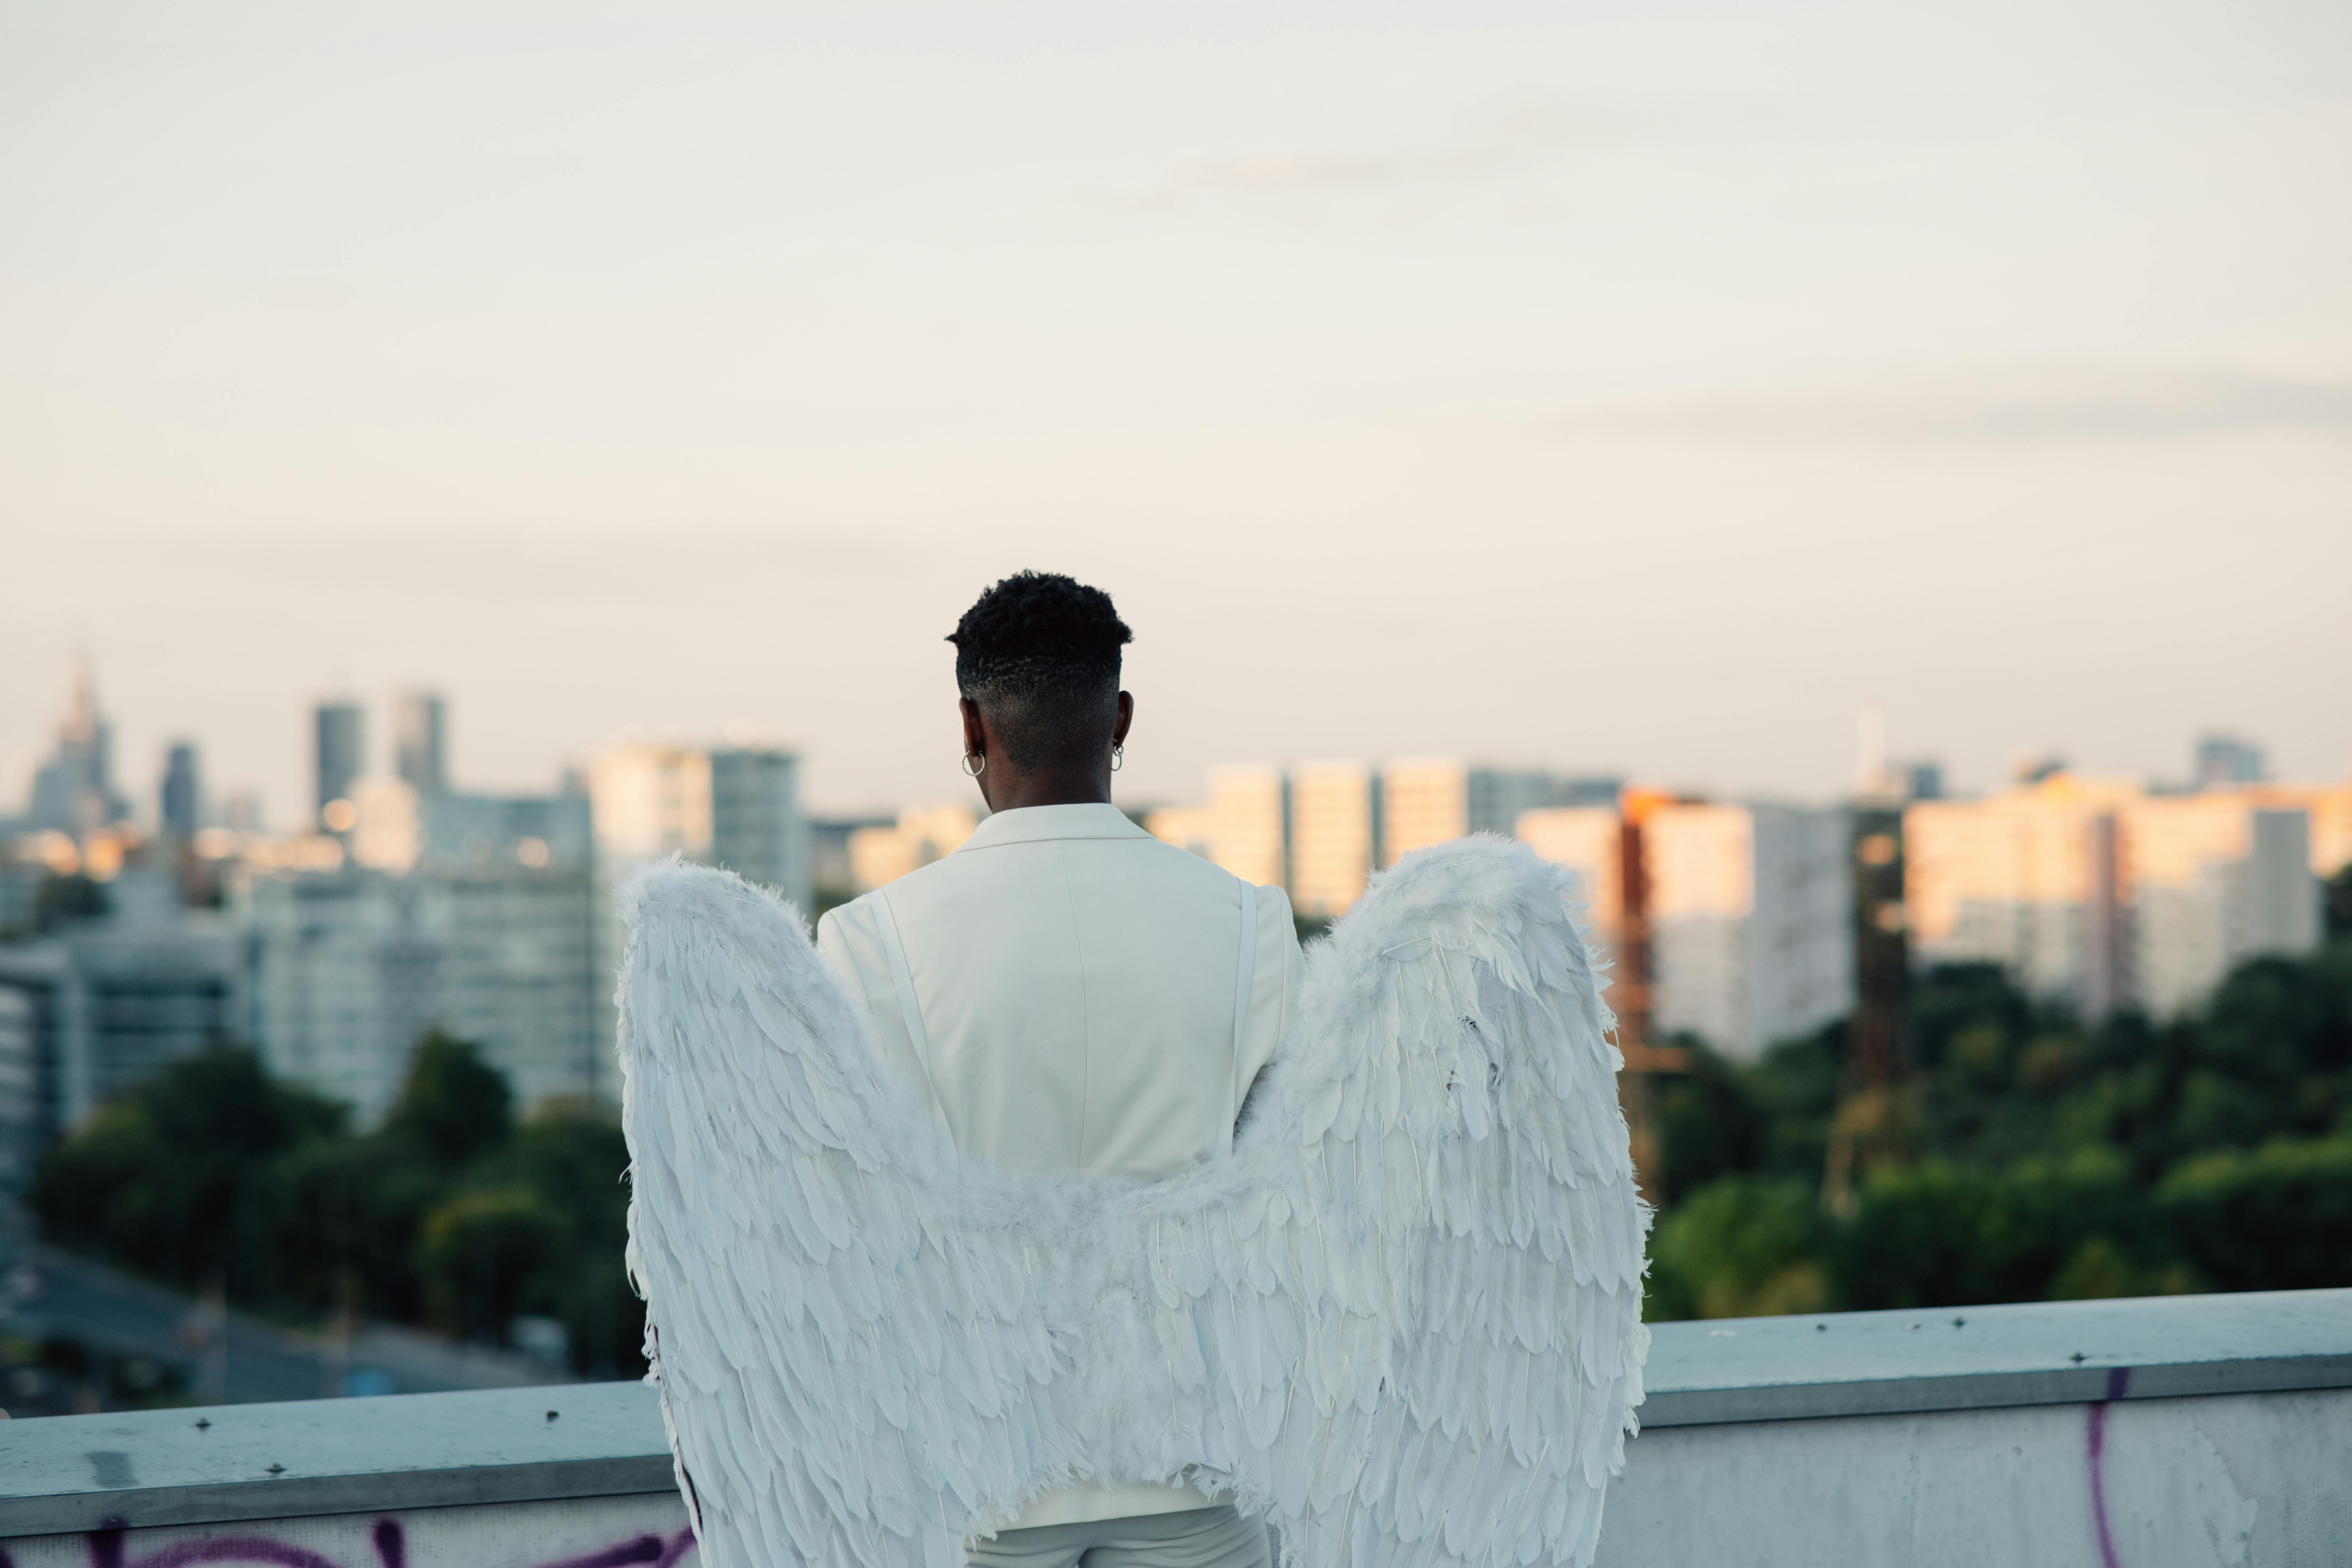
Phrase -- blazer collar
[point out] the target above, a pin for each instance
(1029, 824)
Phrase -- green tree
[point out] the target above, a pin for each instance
(1741, 1247)
(349, 1213)
(174, 1177)
(1710, 1125)
(453, 1105)
(1942, 1234)
(483, 1256)
(2274, 1218)
(2338, 906)
(573, 1152)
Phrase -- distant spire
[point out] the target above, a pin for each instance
(80, 723)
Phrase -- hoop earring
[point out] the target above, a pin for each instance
(972, 772)
(1118, 758)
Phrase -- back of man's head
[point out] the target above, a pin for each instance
(1039, 654)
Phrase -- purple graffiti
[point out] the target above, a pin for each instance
(2095, 1444)
(391, 1551)
(234, 1549)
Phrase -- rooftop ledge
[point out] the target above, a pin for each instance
(579, 1440)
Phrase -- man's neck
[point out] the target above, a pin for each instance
(1015, 791)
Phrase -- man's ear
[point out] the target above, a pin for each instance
(1126, 717)
(975, 727)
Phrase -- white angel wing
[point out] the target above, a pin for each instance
(1403, 1319)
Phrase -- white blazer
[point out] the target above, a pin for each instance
(1073, 998)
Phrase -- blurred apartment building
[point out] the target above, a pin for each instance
(1335, 835)
(1321, 829)
(2101, 895)
(1746, 911)
(875, 853)
(103, 1002)
(733, 804)
(402, 904)
(107, 993)
(424, 908)
(1248, 824)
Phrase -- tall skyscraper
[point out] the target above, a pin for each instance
(73, 792)
(182, 800)
(419, 742)
(340, 754)
(1334, 834)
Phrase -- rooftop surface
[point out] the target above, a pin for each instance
(316, 1456)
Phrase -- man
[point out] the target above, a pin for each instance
(1069, 996)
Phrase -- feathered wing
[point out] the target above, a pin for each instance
(848, 1330)
(1419, 1285)
(1403, 1319)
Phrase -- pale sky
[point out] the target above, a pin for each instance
(1645, 387)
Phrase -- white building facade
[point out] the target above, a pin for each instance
(2096, 896)
(1751, 923)
(353, 966)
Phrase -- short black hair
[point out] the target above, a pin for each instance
(1039, 653)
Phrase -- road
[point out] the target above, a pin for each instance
(43, 1292)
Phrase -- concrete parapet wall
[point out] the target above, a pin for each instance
(2236, 1482)
(2184, 1431)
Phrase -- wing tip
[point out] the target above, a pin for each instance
(674, 882)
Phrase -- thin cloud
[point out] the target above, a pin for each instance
(1499, 141)
(1999, 405)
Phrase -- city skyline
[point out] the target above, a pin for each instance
(1641, 389)
(386, 751)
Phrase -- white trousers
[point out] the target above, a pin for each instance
(1195, 1538)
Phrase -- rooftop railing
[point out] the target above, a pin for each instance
(2117, 1434)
